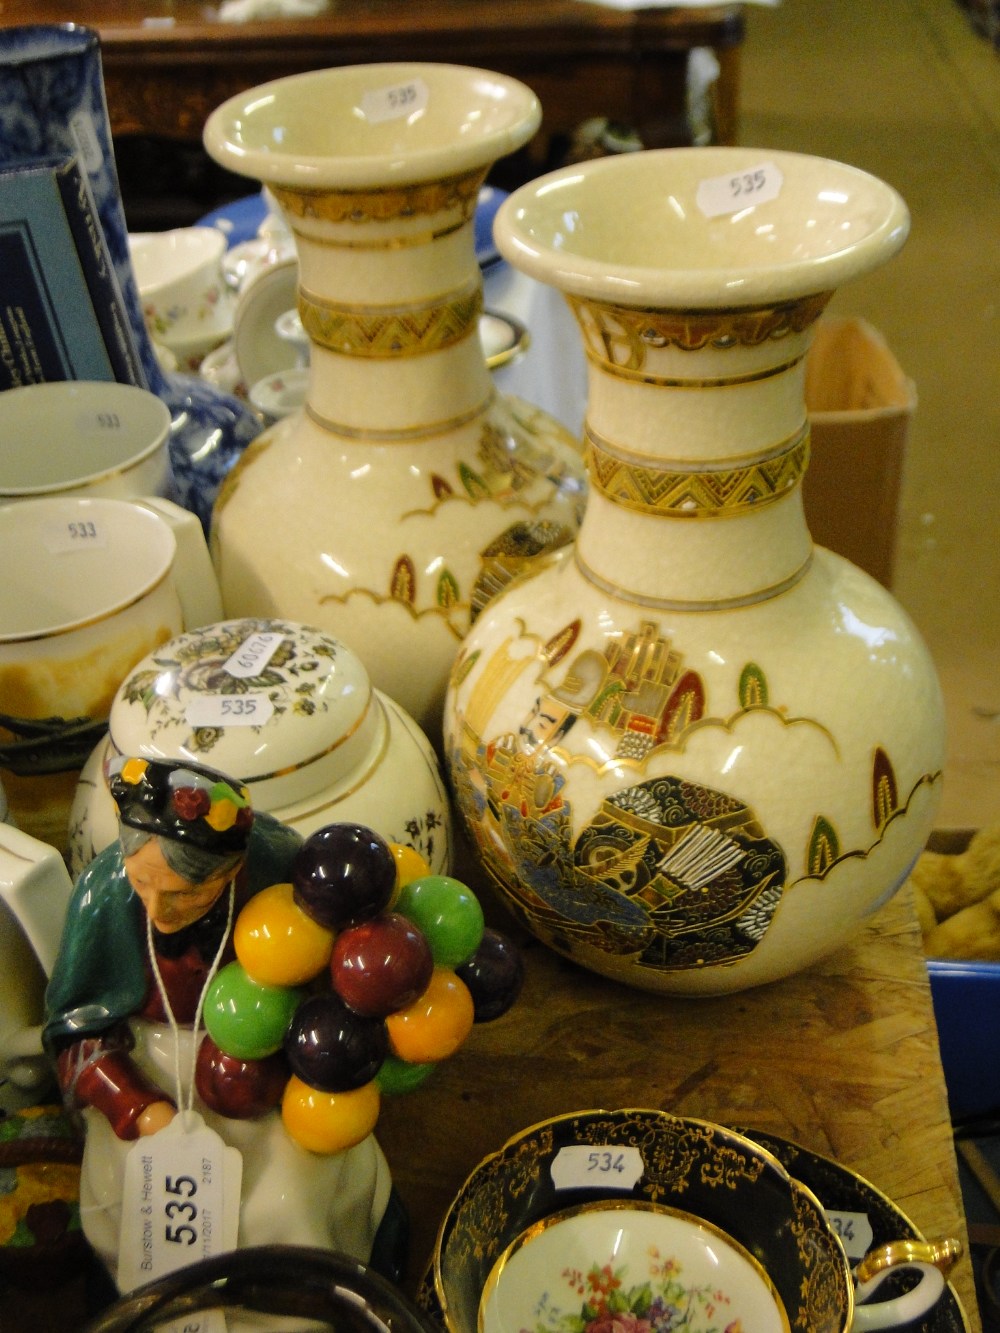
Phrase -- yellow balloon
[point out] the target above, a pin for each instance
(409, 865)
(329, 1122)
(279, 944)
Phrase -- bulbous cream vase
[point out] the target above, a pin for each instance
(408, 490)
(694, 752)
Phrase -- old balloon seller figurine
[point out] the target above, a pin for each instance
(228, 1006)
(149, 933)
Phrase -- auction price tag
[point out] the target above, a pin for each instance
(252, 709)
(740, 189)
(253, 655)
(84, 534)
(610, 1166)
(180, 1203)
(854, 1230)
(401, 99)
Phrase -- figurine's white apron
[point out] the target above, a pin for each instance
(290, 1196)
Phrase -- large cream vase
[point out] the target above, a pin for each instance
(408, 490)
(695, 752)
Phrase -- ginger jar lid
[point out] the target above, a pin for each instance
(286, 708)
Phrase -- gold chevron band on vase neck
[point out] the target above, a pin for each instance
(620, 338)
(389, 204)
(672, 489)
(389, 332)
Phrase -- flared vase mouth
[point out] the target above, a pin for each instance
(701, 228)
(367, 126)
(35, 43)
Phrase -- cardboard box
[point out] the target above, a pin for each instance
(860, 403)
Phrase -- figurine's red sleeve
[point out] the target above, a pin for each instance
(99, 1072)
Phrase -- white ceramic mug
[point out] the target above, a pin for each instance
(89, 587)
(34, 892)
(83, 437)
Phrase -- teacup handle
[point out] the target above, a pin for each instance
(933, 1260)
(194, 574)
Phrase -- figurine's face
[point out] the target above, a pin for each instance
(171, 901)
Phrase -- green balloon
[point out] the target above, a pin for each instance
(447, 912)
(245, 1019)
(398, 1076)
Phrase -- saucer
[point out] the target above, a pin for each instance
(843, 1192)
(503, 339)
(278, 395)
(260, 349)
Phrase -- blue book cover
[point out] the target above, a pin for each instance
(99, 272)
(49, 329)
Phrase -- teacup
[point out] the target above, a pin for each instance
(628, 1259)
(576, 1185)
(81, 437)
(89, 586)
(179, 275)
(34, 892)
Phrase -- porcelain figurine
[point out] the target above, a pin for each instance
(695, 752)
(408, 489)
(292, 711)
(52, 103)
(150, 923)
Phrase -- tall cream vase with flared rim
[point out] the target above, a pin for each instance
(696, 752)
(408, 490)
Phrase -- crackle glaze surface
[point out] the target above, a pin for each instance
(695, 751)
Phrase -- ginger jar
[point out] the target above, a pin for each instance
(408, 489)
(695, 751)
(292, 711)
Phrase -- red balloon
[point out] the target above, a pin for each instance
(240, 1089)
(381, 965)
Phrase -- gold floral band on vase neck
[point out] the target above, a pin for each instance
(681, 490)
(393, 203)
(621, 338)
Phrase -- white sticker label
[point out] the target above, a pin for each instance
(854, 1230)
(85, 534)
(98, 423)
(610, 1167)
(180, 1201)
(87, 143)
(253, 655)
(402, 99)
(741, 189)
(230, 710)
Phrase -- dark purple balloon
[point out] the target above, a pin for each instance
(494, 975)
(332, 1048)
(343, 873)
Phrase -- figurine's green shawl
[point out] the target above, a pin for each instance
(99, 977)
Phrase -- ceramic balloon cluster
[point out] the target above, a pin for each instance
(352, 981)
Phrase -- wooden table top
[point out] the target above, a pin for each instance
(843, 1059)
